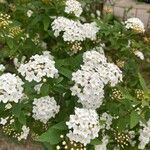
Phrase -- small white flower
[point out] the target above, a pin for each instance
(106, 121)
(8, 106)
(2, 68)
(103, 146)
(139, 54)
(24, 134)
(3, 121)
(29, 13)
(144, 137)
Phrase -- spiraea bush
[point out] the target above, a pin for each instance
(70, 78)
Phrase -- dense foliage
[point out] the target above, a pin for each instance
(70, 77)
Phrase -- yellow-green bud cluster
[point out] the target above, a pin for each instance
(120, 63)
(4, 20)
(122, 139)
(75, 47)
(139, 94)
(7, 129)
(14, 31)
(69, 145)
(116, 94)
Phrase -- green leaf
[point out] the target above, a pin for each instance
(60, 126)
(22, 118)
(46, 21)
(134, 119)
(16, 111)
(96, 142)
(52, 136)
(45, 89)
(66, 72)
(10, 43)
(142, 82)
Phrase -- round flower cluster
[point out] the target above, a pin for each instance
(106, 121)
(73, 6)
(90, 80)
(84, 125)
(24, 134)
(11, 89)
(135, 24)
(144, 137)
(39, 66)
(45, 108)
(74, 30)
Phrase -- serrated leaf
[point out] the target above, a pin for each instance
(60, 126)
(134, 119)
(51, 136)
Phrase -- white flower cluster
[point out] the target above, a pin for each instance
(84, 125)
(106, 121)
(144, 137)
(103, 145)
(73, 6)
(11, 89)
(45, 108)
(24, 134)
(90, 80)
(39, 66)
(74, 30)
(135, 24)
(2, 68)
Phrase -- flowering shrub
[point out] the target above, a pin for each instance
(71, 79)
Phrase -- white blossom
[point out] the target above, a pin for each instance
(45, 108)
(103, 145)
(105, 121)
(135, 24)
(139, 54)
(37, 88)
(8, 106)
(83, 126)
(3, 121)
(24, 134)
(90, 80)
(11, 88)
(2, 67)
(144, 137)
(39, 66)
(29, 13)
(73, 6)
(74, 30)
